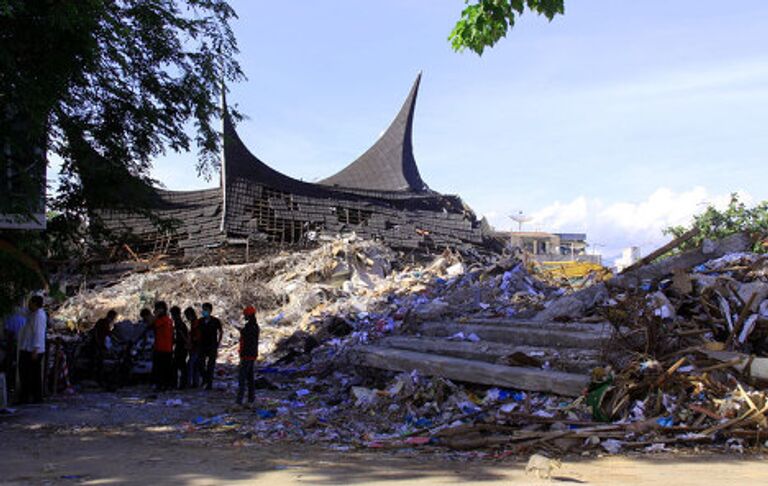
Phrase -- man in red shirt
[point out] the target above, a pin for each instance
(162, 358)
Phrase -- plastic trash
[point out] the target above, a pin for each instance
(363, 396)
(265, 414)
(658, 447)
(612, 446)
(665, 421)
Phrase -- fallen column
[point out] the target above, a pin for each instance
(529, 379)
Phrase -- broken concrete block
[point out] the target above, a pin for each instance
(757, 287)
(431, 310)
(574, 305)
(529, 379)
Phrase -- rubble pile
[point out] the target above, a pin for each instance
(684, 367)
(358, 281)
(671, 354)
(689, 352)
(288, 289)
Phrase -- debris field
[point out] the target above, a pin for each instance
(473, 352)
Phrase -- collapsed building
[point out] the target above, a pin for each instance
(379, 196)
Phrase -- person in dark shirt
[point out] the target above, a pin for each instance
(103, 330)
(211, 332)
(146, 317)
(249, 353)
(193, 346)
(180, 348)
(102, 333)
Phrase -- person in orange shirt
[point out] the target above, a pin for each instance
(162, 358)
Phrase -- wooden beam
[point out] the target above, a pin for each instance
(752, 366)
(688, 235)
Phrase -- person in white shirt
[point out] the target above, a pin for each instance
(31, 352)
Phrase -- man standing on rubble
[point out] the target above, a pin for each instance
(32, 352)
(211, 332)
(180, 348)
(162, 359)
(249, 353)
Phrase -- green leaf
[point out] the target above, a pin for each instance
(483, 23)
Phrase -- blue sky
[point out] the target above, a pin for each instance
(616, 119)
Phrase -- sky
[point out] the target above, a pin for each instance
(617, 119)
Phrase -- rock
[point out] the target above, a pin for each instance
(431, 310)
(682, 282)
(662, 306)
(574, 305)
(746, 290)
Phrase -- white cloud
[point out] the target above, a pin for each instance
(614, 225)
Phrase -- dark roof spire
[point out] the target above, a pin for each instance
(389, 164)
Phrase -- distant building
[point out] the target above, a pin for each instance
(553, 247)
(628, 257)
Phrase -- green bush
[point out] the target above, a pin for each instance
(714, 224)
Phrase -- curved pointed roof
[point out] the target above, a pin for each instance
(389, 164)
(240, 162)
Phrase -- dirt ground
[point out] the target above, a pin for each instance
(134, 437)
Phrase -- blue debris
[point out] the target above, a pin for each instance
(665, 421)
(266, 414)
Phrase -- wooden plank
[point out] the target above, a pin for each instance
(664, 249)
(529, 379)
(687, 260)
(758, 367)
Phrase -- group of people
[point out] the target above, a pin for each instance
(184, 351)
(186, 346)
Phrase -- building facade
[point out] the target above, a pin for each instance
(553, 247)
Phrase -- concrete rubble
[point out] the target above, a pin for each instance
(471, 352)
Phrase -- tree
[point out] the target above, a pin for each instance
(714, 224)
(107, 86)
(484, 22)
(110, 85)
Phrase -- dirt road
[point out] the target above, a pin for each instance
(101, 439)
